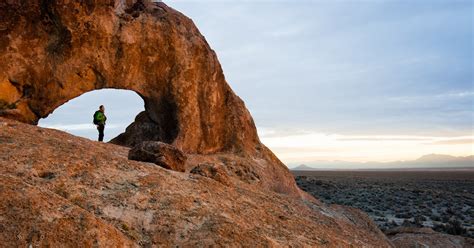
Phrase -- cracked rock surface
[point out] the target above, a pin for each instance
(56, 188)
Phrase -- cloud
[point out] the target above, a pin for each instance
(434, 97)
(71, 127)
(454, 142)
(81, 127)
(387, 67)
(384, 138)
(268, 132)
(308, 146)
(285, 32)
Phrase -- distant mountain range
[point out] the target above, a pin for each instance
(430, 161)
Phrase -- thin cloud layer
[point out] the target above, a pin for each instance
(333, 80)
(346, 66)
(307, 147)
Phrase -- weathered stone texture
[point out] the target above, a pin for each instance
(54, 51)
(159, 153)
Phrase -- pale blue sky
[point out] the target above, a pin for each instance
(354, 69)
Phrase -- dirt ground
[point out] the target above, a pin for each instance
(441, 200)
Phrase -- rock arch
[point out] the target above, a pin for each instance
(75, 116)
(53, 51)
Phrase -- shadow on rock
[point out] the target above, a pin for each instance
(159, 153)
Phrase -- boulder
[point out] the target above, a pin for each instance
(159, 153)
(212, 171)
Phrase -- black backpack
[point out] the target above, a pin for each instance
(95, 121)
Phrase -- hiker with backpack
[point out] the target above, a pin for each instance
(99, 121)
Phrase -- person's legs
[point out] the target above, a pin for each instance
(101, 132)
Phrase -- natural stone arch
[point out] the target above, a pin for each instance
(53, 51)
(147, 48)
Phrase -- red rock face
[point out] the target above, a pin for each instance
(58, 190)
(53, 51)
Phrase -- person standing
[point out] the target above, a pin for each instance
(99, 121)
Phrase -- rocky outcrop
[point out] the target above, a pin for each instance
(212, 171)
(54, 51)
(143, 128)
(159, 153)
(60, 190)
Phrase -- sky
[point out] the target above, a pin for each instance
(333, 80)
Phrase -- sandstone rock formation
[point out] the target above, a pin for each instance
(53, 51)
(164, 155)
(32, 217)
(56, 188)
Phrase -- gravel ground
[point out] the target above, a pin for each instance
(441, 200)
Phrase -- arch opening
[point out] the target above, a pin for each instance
(122, 107)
